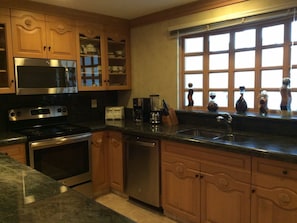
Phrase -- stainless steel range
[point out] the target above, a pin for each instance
(55, 147)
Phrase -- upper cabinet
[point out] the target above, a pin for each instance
(90, 43)
(118, 60)
(104, 58)
(6, 63)
(40, 36)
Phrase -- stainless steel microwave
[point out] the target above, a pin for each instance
(44, 76)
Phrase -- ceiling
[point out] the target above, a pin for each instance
(125, 9)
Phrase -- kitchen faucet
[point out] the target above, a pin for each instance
(227, 119)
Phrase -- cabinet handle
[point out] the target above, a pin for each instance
(253, 191)
(285, 172)
(49, 48)
(44, 48)
(197, 175)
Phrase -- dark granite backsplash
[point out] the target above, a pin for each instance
(79, 105)
(272, 124)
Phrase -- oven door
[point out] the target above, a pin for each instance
(66, 159)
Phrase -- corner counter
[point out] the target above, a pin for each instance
(28, 196)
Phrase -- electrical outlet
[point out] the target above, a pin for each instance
(94, 103)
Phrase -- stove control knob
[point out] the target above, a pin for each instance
(59, 110)
(12, 114)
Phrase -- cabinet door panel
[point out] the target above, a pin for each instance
(274, 205)
(99, 164)
(115, 149)
(28, 33)
(224, 199)
(181, 190)
(61, 41)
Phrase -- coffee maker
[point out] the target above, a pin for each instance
(141, 109)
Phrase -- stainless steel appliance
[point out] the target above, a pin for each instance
(155, 113)
(55, 147)
(45, 76)
(141, 109)
(142, 177)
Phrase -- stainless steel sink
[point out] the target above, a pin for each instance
(196, 132)
(233, 138)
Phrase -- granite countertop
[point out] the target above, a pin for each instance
(261, 145)
(7, 138)
(29, 196)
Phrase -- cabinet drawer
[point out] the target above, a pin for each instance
(206, 154)
(274, 174)
(275, 168)
(16, 151)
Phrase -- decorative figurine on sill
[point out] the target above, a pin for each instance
(286, 96)
(263, 109)
(190, 95)
(212, 106)
(241, 105)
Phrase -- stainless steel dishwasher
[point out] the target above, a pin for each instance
(142, 178)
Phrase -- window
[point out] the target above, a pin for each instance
(255, 56)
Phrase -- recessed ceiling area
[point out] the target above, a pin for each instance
(125, 9)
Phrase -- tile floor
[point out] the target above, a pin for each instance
(120, 204)
(132, 210)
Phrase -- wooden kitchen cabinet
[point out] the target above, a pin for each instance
(205, 185)
(6, 64)
(100, 174)
(15, 151)
(117, 59)
(274, 191)
(116, 165)
(90, 74)
(41, 36)
(181, 188)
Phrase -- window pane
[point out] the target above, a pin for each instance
(245, 78)
(218, 80)
(193, 63)
(272, 57)
(248, 97)
(273, 35)
(245, 59)
(274, 99)
(219, 42)
(245, 39)
(271, 78)
(293, 79)
(294, 31)
(219, 61)
(294, 55)
(294, 102)
(197, 98)
(221, 98)
(194, 45)
(195, 79)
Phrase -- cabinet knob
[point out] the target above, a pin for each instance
(49, 48)
(285, 172)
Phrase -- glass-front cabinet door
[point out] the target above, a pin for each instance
(90, 75)
(6, 64)
(118, 68)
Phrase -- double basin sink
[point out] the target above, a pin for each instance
(213, 135)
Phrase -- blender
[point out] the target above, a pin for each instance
(155, 114)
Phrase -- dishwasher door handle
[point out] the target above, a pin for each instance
(142, 143)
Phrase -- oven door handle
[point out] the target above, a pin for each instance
(58, 141)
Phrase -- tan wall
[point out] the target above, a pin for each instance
(154, 54)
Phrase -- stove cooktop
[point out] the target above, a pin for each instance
(42, 132)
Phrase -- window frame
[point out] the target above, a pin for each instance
(286, 66)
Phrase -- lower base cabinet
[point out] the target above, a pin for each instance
(100, 175)
(180, 187)
(204, 185)
(274, 191)
(15, 151)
